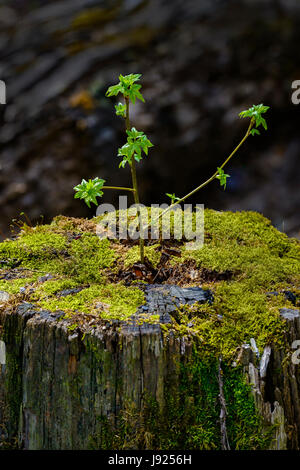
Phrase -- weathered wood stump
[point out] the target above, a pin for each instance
(62, 390)
(94, 355)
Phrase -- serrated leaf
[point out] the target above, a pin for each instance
(89, 190)
(128, 87)
(222, 177)
(255, 113)
(114, 90)
(137, 142)
(120, 110)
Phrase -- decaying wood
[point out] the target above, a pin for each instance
(223, 411)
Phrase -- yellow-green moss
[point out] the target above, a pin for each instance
(13, 286)
(88, 257)
(34, 242)
(62, 225)
(246, 243)
(133, 255)
(236, 315)
(114, 301)
(174, 223)
(49, 288)
(259, 257)
(42, 250)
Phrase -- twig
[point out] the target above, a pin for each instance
(214, 176)
(119, 187)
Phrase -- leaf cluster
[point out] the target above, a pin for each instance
(222, 177)
(255, 114)
(89, 190)
(120, 110)
(128, 87)
(137, 142)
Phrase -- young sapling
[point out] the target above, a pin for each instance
(138, 144)
(131, 152)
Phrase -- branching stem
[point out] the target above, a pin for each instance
(209, 180)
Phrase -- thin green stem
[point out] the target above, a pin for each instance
(209, 180)
(118, 187)
(134, 183)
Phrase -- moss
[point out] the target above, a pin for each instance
(194, 408)
(62, 225)
(260, 258)
(52, 287)
(88, 256)
(13, 286)
(189, 416)
(243, 241)
(236, 315)
(245, 427)
(115, 301)
(34, 242)
(173, 222)
(133, 255)
(41, 249)
(76, 262)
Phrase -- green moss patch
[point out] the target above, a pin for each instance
(33, 243)
(88, 257)
(247, 243)
(261, 260)
(118, 302)
(258, 258)
(14, 286)
(133, 255)
(41, 250)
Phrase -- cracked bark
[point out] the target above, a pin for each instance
(223, 410)
(61, 401)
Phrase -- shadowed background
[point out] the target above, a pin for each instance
(202, 63)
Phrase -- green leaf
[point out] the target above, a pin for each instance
(120, 110)
(222, 177)
(114, 90)
(137, 142)
(134, 93)
(173, 197)
(254, 131)
(255, 114)
(128, 80)
(89, 190)
(264, 124)
(128, 87)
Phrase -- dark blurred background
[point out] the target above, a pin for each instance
(203, 61)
